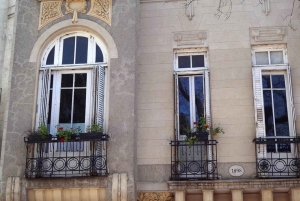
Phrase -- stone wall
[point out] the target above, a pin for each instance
(228, 45)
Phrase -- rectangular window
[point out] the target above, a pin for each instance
(274, 110)
(192, 90)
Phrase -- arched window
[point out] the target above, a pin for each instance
(71, 83)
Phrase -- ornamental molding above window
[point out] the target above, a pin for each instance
(51, 10)
(159, 196)
(268, 35)
(190, 39)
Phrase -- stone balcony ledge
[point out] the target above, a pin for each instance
(224, 186)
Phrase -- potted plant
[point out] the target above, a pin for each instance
(41, 134)
(200, 131)
(94, 131)
(67, 134)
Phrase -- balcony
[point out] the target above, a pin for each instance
(75, 158)
(277, 157)
(197, 161)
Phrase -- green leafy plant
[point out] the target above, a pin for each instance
(94, 128)
(191, 140)
(65, 134)
(202, 126)
(42, 131)
(199, 126)
(217, 130)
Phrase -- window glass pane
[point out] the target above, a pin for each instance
(49, 108)
(99, 54)
(65, 106)
(261, 58)
(81, 50)
(50, 58)
(67, 80)
(184, 104)
(68, 50)
(278, 81)
(268, 108)
(280, 112)
(79, 105)
(51, 82)
(80, 80)
(198, 61)
(266, 81)
(199, 97)
(184, 62)
(276, 57)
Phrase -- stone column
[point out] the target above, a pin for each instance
(237, 194)
(294, 194)
(208, 195)
(180, 196)
(266, 194)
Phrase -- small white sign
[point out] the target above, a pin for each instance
(236, 170)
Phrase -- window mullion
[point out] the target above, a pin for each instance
(75, 46)
(72, 106)
(273, 110)
(269, 57)
(192, 100)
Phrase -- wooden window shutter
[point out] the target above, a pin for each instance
(259, 110)
(100, 86)
(207, 97)
(176, 107)
(291, 102)
(43, 99)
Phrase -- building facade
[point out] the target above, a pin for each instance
(197, 100)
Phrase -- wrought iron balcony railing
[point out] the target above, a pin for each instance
(277, 157)
(51, 158)
(196, 161)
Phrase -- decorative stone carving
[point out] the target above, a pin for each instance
(270, 34)
(75, 7)
(266, 6)
(101, 9)
(190, 39)
(156, 196)
(49, 11)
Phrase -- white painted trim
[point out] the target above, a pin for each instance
(67, 26)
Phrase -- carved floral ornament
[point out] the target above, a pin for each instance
(51, 10)
(155, 196)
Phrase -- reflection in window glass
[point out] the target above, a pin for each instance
(184, 62)
(280, 113)
(79, 105)
(81, 50)
(184, 104)
(65, 108)
(262, 58)
(275, 106)
(199, 97)
(266, 81)
(68, 50)
(99, 54)
(198, 61)
(276, 57)
(50, 58)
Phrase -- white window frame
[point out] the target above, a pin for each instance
(91, 66)
(270, 49)
(58, 45)
(273, 69)
(191, 72)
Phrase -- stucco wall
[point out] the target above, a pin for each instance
(121, 147)
(229, 57)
